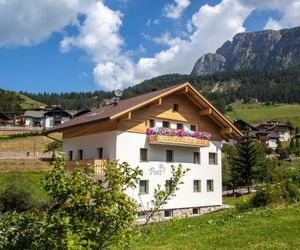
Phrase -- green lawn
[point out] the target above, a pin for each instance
(267, 228)
(33, 178)
(259, 112)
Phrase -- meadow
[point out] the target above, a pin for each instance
(254, 113)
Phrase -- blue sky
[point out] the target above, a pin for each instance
(86, 45)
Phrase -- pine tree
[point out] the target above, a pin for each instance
(244, 164)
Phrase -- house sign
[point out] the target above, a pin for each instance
(160, 170)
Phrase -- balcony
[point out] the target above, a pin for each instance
(178, 141)
(98, 164)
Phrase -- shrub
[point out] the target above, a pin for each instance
(16, 195)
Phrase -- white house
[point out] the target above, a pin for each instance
(171, 126)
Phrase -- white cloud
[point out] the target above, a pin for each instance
(289, 10)
(175, 10)
(30, 22)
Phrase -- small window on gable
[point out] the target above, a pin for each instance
(143, 154)
(70, 155)
(151, 123)
(100, 153)
(175, 107)
(166, 124)
(179, 125)
(80, 154)
(193, 127)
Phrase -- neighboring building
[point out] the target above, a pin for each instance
(56, 116)
(5, 119)
(33, 118)
(282, 129)
(46, 118)
(243, 126)
(172, 126)
(268, 138)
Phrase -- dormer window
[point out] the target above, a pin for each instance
(175, 107)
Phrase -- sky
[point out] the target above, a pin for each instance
(87, 45)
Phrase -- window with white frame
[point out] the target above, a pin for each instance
(213, 158)
(141, 216)
(197, 157)
(168, 213)
(169, 156)
(144, 187)
(197, 186)
(143, 154)
(210, 185)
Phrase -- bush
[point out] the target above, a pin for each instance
(278, 193)
(17, 194)
(22, 135)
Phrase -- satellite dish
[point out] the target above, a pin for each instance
(118, 92)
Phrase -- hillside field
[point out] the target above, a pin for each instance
(28, 103)
(264, 228)
(253, 113)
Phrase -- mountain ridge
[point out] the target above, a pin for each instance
(259, 50)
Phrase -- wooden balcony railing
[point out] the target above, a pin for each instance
(98, 164)
(176, 140)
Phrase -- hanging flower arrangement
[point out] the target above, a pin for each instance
(178, 132)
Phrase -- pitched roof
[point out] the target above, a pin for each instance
(34, 114)
(124, 106)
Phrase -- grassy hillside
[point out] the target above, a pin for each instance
(253, 113)
(26, 144)
(28, 103)
(267, 228)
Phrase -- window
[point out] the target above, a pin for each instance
(100, 182)
(193, 127)
(168, 213)
(100, 153)
(144, 187)
(210, 185)
(175, 107)
(141, 216)
(70, 155)
(80, 154)
(213, 158)
(151, 123)
(168, 185)
(143, 154)
(197, 157)
(166, 124)
(169, 156)
(179, 126)
(195, 210)
(197, 185)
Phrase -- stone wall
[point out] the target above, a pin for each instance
(24, 155)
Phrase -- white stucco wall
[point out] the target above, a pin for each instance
(90, 143)
(65, 119)
(128, 149)
(29, 121)
(49, 122)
